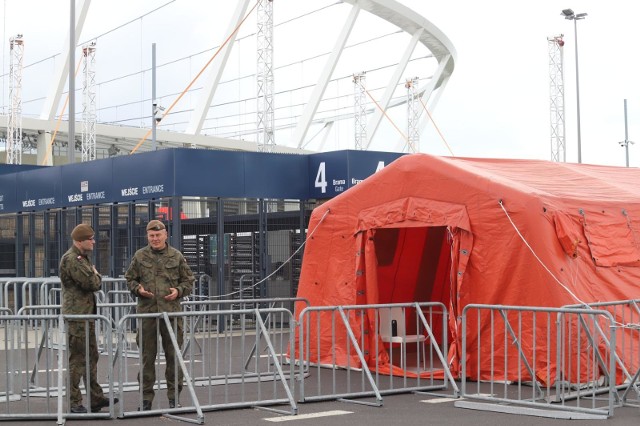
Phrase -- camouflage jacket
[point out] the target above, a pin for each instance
(79, 282)
(158, 272)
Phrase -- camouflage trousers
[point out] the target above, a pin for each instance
(147, 340)
(78, 365)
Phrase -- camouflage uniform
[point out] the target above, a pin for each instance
(79, 282)
(158, 271)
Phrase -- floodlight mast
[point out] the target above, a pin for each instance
(89, 115)
(572, 16)
(556, 93)
(14, 127)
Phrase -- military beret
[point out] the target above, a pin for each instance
(82, 232)
(155, 225)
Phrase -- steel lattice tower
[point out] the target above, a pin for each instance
(89, 102)
(556, 97)
(360, 113)
(265, 109)
(14, 127)
(413, 115)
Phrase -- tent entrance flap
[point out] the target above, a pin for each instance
(414, 265)
(415, 249)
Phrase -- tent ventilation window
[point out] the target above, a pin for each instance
(611, 239)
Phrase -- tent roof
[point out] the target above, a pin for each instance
(592, 182)
(476, 182)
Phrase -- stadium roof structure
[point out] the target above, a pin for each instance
(318, 48)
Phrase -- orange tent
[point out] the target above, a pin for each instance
(441, 229)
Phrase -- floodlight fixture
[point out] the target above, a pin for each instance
(572, 16)
(568, 13)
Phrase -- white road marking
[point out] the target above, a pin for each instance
(53, 370)
(308, 416)
(439, 400)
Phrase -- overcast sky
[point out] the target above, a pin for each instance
(497, 101)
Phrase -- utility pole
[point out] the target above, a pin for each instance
(156, 115)
(575, 17)
(71, 144)
(625, 143)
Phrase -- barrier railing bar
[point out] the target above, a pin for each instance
(630, 381)
(61, 419)
(365, 367)
(187, 378)
(287, 389)
(440, 355)
(521, 354)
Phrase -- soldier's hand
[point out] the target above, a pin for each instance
(144, 293)
(173, 295)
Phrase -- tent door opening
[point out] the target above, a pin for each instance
(414, 265)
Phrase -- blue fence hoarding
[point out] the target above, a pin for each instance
(276, 176)
(332, 173)
(144, 176)
(39, 189)
(86, 183)
(8, 186)
(209, 173)
(189, 172)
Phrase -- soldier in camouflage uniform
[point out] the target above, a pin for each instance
(159, 276)
(80, 280)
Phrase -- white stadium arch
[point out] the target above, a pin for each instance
(206, 75)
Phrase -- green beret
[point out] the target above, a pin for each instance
(82, 232)
(155, 225)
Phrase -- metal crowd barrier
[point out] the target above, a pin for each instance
(243, 366)
(111, 311)
(550, 362)
(115, 311)
(369, 372)
(222, 370)
(105, 372)
(19, 398)
(569, 361)
(49, 292)
(214, 305)
(626, 313)
(18, 292)
(34, 375)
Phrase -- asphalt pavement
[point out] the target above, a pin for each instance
(401, 409)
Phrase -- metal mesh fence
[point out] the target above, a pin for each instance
(237, 248)
(8, 245)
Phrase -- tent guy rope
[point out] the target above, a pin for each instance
(526, 243)
(202, 70)
(283, 263)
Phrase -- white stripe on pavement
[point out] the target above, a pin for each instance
(308, 416)
(439, 400)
